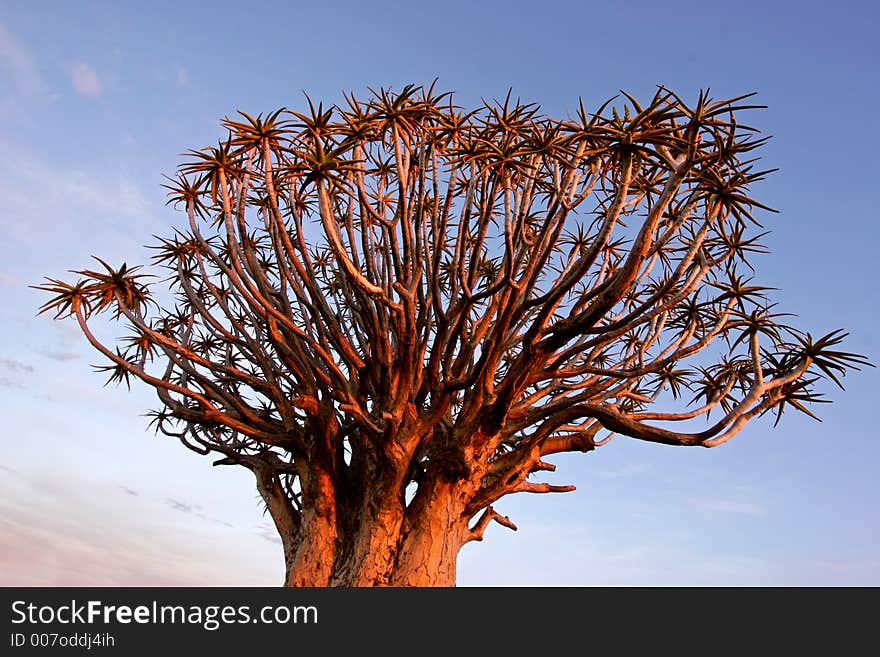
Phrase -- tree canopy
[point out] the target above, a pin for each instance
(392, 310)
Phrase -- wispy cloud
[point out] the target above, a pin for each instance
(268, 533)
(18, 66)
(216, 521)
(182, 76)
(68, 334)
(47, 205)
(84, 79)
(61, 356)
(7, 280)
(177, 505)
(195, 510)
(12, 365)
(55, 532)
(82, 190)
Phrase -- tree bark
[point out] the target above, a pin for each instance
(388, 544)
(432, 536)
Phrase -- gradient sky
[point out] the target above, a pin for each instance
(99, 98)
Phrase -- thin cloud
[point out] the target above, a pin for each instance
(182, 76)
(68, 333)
(16, 366)
(267, 532)
(85, 79)
(46, 200)
(61, 356)
(18, 66)
(183, 507)
(7, 280)
(16, 369)
(55, 532)
(195, 510)
(216, 521)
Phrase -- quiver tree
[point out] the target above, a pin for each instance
(393, 311)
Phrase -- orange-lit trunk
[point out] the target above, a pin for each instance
(431, 539)
(310, 557)
(387, 544)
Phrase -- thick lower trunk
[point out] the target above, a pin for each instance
(430, 541)
(311, 561)
(311, 553)
(367, 558)
(388, 545)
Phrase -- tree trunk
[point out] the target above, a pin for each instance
(431, 539)
(313, 553)
(388, 544)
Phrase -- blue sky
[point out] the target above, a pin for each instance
(99, 98)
